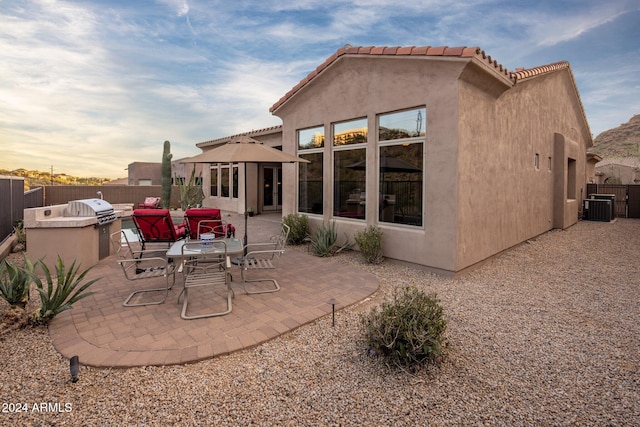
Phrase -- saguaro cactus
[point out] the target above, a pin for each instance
(166, 175)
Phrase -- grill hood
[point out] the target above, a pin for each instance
(98, 208)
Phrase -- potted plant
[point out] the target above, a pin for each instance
(250, 211)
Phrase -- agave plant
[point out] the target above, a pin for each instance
(67, 291)
(15, 282)
(324, 240)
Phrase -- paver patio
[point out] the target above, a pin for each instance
(103, 333)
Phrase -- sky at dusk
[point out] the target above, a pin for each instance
(87, 87)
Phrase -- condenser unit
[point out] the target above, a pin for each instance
(598, 209)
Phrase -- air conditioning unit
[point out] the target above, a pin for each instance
(598, 209)
(611, 197)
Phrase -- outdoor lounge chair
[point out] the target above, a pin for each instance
(207, 268)
(263, 256)
(135, 268)
(150, 203)
(156, 226)
(206, 220)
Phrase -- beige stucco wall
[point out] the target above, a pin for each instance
(483, 192)
(503, 197)
(364, 87)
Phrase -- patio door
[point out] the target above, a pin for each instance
(272, 188)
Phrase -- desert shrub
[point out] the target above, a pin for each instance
(370, 243)
(62, 296)
(21, 233)
(324, 238)
(407, 330)
(15, 282)
(299, 225)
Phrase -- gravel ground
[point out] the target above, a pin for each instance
(547, 333)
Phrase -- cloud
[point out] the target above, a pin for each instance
(95, 85)
(179, 7)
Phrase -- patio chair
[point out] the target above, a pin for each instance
(135, 268)
(206, 220)
(150, 203)
(206, 269)
(156, 226)
(263, 256)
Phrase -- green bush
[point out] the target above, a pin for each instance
(324, 238)
(61, 297)
(15, 282)
(408, 330)
(299, 225)
(370, 243)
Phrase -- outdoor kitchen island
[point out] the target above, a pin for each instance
(78, 231)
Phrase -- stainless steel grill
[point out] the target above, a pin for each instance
(101, 209)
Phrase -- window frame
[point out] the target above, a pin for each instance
(338, 148)
(301, 152)
(421, 138)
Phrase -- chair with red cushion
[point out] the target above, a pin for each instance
(150, 203)
(156, 226)
(206, 220)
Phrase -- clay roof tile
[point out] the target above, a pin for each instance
(436, 51)
(406, 50)
(460, 51)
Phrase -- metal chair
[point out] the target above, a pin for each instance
(135, 268)
(263, 256)
(206, 220)
(210, 267)
(156, 226)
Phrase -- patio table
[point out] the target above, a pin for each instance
(234, 247)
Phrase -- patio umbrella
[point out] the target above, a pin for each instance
(244, 149)
(388, 164)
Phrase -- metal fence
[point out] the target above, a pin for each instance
(627, 197)
(11, 203)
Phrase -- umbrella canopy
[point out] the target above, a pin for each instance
(244, 149)
(388, 164)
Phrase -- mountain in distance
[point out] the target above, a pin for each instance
(33, 179)
(623, 141)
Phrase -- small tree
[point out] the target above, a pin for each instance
(166, 175)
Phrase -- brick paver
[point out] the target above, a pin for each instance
(103, 333)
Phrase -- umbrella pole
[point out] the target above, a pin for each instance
(246, 214)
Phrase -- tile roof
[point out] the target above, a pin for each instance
(522, 73)
(258, 132)
(461, 52)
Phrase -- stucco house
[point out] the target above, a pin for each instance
(455, 157)
(620, 170)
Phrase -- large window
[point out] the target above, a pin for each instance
(224, 181)
(234, 185)
(401, 137)
(349, 168)
(214, 181)
(310, 147)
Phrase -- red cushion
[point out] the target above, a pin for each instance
(193, 216)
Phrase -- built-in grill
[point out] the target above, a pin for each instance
(99, 208)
